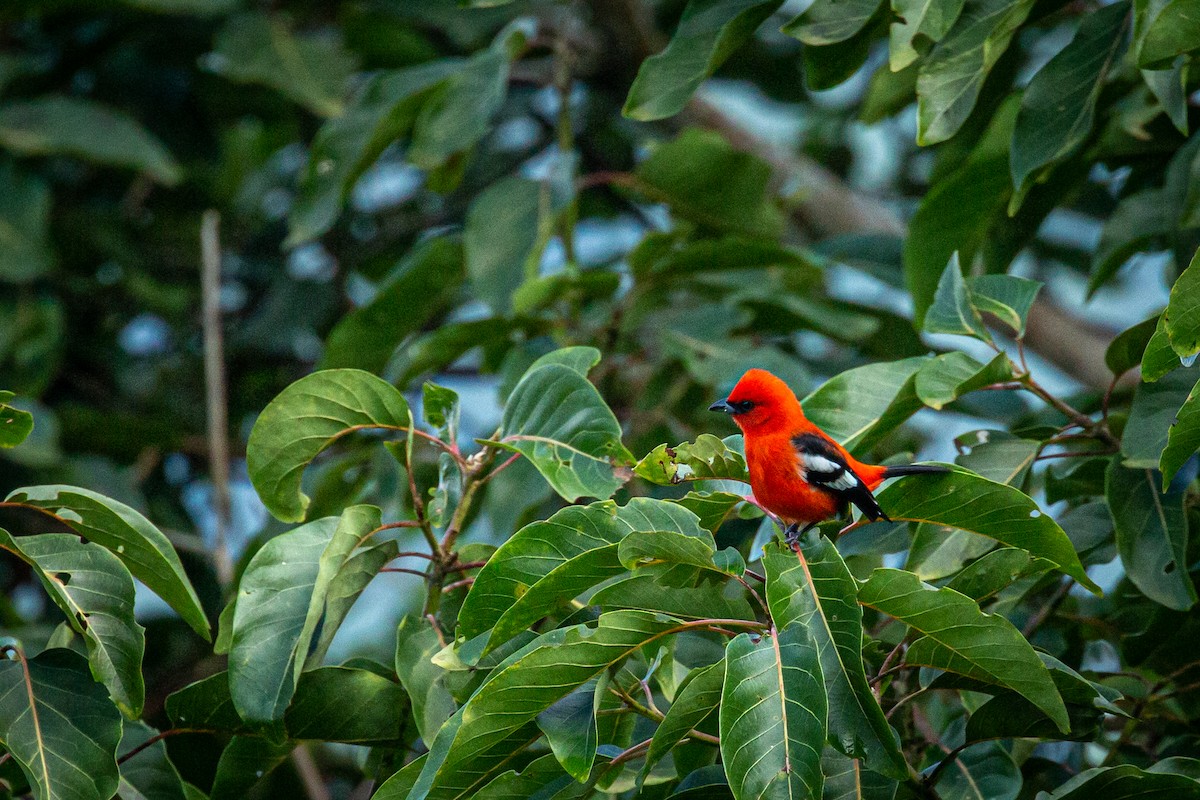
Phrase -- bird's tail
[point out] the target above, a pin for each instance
(913, 469)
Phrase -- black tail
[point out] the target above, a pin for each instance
(913, 469)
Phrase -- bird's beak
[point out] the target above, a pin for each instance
(722, 406)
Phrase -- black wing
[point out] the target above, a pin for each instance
(826, 469)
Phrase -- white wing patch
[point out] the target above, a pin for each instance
(840, 478)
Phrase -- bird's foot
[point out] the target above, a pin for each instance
(793, 532)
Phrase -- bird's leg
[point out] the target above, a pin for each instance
(791, 536)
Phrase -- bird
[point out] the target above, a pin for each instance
(797, 471)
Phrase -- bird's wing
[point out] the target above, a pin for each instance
(826, 469)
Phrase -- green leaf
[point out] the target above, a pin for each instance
(1152, 535)
(958, 637)
(1010, 716)
(831, 21)
(949, 376)
(310, 69)
(551, 561)
(1183, 311)
(1173, 31)
(15, 424)
(1006, 297)
(570, 729)
(243, 763)
(704, 179)
(580, 359)
(398, 786)
(59, 725)
(70, 126)
(708, 458)
(997, 455)
(1169, 87)
(542, 778)
(713, 508)
(367, 337)
(459, 114)
(383, 110)
(1159, 358)
(981, 771)
(305, 578)
(919, 21)
(432, 705)
(668, 589)
(198, 7)
(340, 704)
(25, 251)
(148, 775)
(557, 419)
(306, 418)
(1125, 782)
(1183, 437)
(518, 690)
(773, 715)
(815, 589)
(708, 33)
(860, 406)
(969, 502)
(95, 591)
(830, 65)
(696, 699)
(140, 546)
(994, 571)
(1125, 351)
(1137, 220)
(1154, 410)
(846, 779)
(506, 230)
(952, 311)
(205, 705)
(952, 77)
(1058, 108)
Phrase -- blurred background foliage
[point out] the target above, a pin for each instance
(417, 188)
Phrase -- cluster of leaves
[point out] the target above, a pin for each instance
(654, 642)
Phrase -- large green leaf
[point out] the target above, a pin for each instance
(570, 728)
(861, 405)
(815, 589)
(707, 458)
(1152, 535)
(958, 637)
(949, 376)
(1183, 311)
(341, 704)
(95, 591)
(1183, 437)
(311, 69)
(1058, 108)
(149, 774)
(773, 715)
(1125, 351)
(344, 147)
(25, 252)
(981, 772)
(708, 33)
(552, 561)
(298, 581)
(831, 21)
(59, 725)
(1125, 782)
(307, 417)
(497, 715)
(847, 779)
(1173, 31)
(243, 763)
(557, 419)
(542, 778)
(919, 21)
(697, 698)
(952, 311)
(969, 502)
(368, 336)
(72, 126)
(140, 546)
(1153, 412)
(952, 77)
(507, 227)
(704, 179)
(432, 705)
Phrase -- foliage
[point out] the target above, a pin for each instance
(424, 204)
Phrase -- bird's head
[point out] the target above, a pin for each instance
(761, 402)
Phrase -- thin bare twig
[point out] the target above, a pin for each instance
(215, 390)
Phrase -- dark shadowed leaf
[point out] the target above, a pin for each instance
(1125, 351)
(1183, 437)
(1173, 31)
(570, 729)
(307, 417)
(698, 697)
(95, 591)
(1136, 221)
(71, 126)
(1154, 410)
(339, 704)
(1125, 782)
(815, 589)
(1152, 534)
(708, 33)
(960, 638)
(432, 705)
(140, 546)
(1059, 106)
(773, 711)
(25, 201)
(506, 229)
(244, 762)
(59, 725)
(148, 775)
(847, 779)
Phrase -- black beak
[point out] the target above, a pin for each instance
(722, 406)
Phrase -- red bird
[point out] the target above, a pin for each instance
(796, 470)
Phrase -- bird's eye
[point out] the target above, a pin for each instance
(742, 406)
